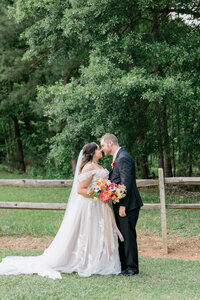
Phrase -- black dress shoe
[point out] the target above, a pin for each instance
(129, 272)
(122, 273)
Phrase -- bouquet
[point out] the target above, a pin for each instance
(105, 190)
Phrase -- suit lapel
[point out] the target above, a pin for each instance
(111, 169)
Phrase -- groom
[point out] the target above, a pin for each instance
(127, 211)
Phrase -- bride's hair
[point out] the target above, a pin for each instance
(88, 153)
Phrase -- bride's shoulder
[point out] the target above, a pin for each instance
(87, 168)
(87, 171)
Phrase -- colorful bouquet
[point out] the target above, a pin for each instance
(105, 190)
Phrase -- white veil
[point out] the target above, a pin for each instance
(74, 192)
(59, 242)
(50, 262)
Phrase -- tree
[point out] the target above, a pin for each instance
(127, 67)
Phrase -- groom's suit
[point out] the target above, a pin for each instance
(123, 172)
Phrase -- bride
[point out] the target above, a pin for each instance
(87, 241)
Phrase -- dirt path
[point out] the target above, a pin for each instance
(150, 246)
(179, 247)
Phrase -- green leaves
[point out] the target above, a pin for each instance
(127, 67)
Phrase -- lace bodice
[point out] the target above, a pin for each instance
(97, 173)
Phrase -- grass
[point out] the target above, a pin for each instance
(31, 222)
(16, 194)
(158, 279)
(179, 222)
(38, 222)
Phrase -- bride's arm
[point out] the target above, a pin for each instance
(83, 185)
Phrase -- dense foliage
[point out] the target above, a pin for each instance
(73, 70)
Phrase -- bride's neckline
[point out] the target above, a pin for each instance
(98, 169)
(97, 165)
(95, 169)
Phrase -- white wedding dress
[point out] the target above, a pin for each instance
(86, 243)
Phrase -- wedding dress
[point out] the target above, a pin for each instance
(86, 242)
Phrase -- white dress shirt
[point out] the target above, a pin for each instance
(115, 154)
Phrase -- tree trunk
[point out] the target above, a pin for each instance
(190, 165)
(22, 166)
(178, 134)
(11, 137)
(144, 166)
(164, 157)
(190, 149)
(159, 136)
(173, 144)
(143, 159)
(165, 141)
(6, 144)
(74, 162)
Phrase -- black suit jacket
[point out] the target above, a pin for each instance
(123, 172)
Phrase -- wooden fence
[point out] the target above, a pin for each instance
(140, 183)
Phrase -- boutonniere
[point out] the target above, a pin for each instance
(113, 163)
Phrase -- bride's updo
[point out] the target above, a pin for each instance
(88, 153)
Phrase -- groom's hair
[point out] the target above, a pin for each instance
(109, 137)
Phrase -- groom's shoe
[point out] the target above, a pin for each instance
(129, 272)
(122, 273)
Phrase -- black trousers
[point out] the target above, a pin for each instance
(128, 250)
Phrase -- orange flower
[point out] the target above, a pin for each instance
(102, 186)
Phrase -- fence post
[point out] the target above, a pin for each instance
(163, 209)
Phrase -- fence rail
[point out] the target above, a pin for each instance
(68, 183)
(182, 180)
(62, 206)
(59, 183)
(35, 183)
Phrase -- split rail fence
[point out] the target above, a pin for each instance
(140, 183)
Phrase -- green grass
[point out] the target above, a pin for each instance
(38, 222)
(150, 195)
(31, 222)
(25, 222)
(49, 195)
(158, 279)
(179, 222)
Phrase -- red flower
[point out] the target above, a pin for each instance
(113, 163)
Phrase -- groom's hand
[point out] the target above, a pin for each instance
(122, 211)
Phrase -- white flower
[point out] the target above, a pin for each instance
(97, 189)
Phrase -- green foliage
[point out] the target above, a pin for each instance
(130, 67)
